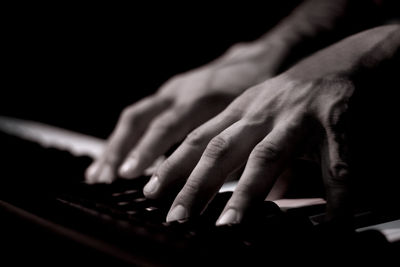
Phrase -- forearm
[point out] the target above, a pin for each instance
(311, 26)
(363, 51)
(314, 19)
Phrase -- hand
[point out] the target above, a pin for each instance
(263, 130)
(267, 126)
(149, 128)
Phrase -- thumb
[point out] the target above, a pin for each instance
(335, 174)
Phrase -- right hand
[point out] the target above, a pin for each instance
(150, 127)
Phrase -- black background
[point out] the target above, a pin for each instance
(78, 65)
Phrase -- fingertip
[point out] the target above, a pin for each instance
(152, 187)
(130, 168)
(91, 172)
(179, 212)
(230, 216)
(106, 175)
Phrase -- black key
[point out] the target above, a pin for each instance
(215, 207)
(126, 196)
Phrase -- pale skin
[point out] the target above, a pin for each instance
(147, 129)
(265, 126)
(150, 127)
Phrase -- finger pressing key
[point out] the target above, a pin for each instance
(181, 163)
(266, 162)
(132, 123)
(224, 154)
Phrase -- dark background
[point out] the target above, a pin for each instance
(77, 66)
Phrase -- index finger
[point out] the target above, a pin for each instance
(131, 125)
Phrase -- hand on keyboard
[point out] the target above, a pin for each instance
(121, 216)
(149, 128)
(262, 130)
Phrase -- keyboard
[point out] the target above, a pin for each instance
(45, 185)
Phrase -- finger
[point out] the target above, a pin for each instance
(165, 131)
(266, 162)
(131, 125)
(224, 154)
(181, 163)
(335, 173)
(92, 172)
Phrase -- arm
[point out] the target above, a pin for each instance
(311, 26)
(354, 58)
(149, 128)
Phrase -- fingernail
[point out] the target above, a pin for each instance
(106, 174)
(152, 186)
(229, 217)
(128, 169)
(177, 213)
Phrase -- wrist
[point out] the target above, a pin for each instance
(351, 56)
(266, 53)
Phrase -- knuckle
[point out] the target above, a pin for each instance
(334, 114)
(238, 47)
(135, 111)
(265, 153)
(168, 89)
(295, 123)
(338, 175)
(163, 125)
(176, 79)
(189, 191)
(217, 148)
(232, 113)
(195, 138)
(128, 113)
(192, 186)
(243, 192)
(165, 168)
